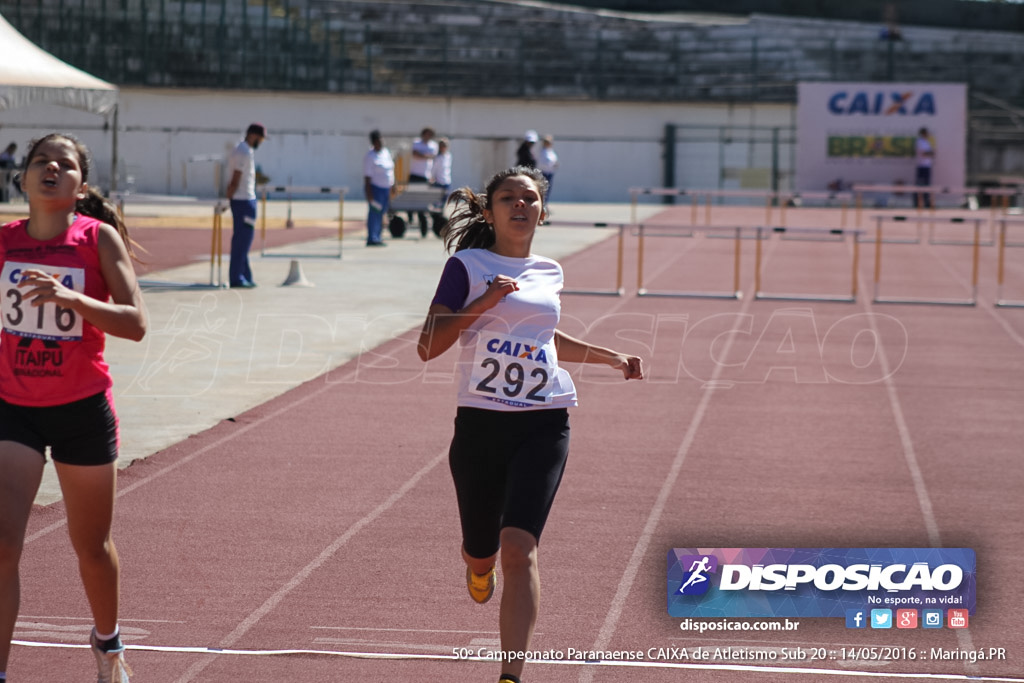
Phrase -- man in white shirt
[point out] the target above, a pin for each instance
(441, 176)
(242, 193)
(424, 151)
(547, 162)
(378, 177)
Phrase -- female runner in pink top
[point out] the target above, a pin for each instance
(66, 281)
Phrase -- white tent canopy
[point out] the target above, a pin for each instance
(30, 75)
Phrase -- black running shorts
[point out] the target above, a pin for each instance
(82, 432)
(507, 467)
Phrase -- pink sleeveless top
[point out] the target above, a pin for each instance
(49, 355)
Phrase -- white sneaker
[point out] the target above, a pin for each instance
(111, 665)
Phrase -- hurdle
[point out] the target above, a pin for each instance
(618, 290)
(782, 231)
(976, 249)
(635, 192)
(1004, 195)
(767, 195)
(844, 198)
(735, 293)
(1004, 223)
(696, 195)
(918, 221)
(932, 190)
(265, 190)
(216, 281)
(931, 220)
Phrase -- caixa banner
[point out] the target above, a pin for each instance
(816, 582)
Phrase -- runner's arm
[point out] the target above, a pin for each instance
(122, 316)
(574, 350)
(443, 326)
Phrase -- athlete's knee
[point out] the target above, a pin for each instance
(518, 550)
(96, 552)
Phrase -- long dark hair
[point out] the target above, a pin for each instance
(467, 228)
(94, 204)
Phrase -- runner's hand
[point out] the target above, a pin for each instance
(500, 286)
(44, 288)
(632, 366)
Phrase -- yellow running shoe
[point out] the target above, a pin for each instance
(481, 586)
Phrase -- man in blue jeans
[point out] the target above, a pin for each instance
(242, 193)
(378, 177)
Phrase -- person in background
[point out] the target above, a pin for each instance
(924, 154)
(378, 179)
(441, 176)
(7, 165)
(442, 171)
(424, 151)
(547, 162)
(70, 260)
(524, 155)
(242, 194)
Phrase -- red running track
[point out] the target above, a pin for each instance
(324, 521)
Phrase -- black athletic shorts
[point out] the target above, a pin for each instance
(507, 467)
(82, 432)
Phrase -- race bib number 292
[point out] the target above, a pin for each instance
(48, 321)
(512, 370)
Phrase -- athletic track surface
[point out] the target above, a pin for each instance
(315, 537)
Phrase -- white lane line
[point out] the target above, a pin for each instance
(407, 630)
(618, 602)
(983, 303)
(121, 620)
(189, 458)
(328, 552)
(564, 662)
(924, 501)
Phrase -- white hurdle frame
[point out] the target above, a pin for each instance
(768, 196)
(736, 292)
(619, 290)
(932, 190)
(841, 232)
(216, 251)
(845, 200)
(264, 190)
(1004, 223)
(976, 249)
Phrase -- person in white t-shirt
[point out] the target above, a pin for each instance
(500, 304)
(421, 166)
(378, 178)
(547, 162)
(924, 154)
(242, 194)
(441, 175)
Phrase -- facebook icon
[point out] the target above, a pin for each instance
(856, 618)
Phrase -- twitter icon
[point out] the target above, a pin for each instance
(881, 618)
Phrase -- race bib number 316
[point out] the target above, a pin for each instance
(48, 321)
(512, 370)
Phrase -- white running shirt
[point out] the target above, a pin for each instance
(508, 360)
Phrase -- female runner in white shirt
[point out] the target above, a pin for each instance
(501, 303)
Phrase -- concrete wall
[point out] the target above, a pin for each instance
(315, 139)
